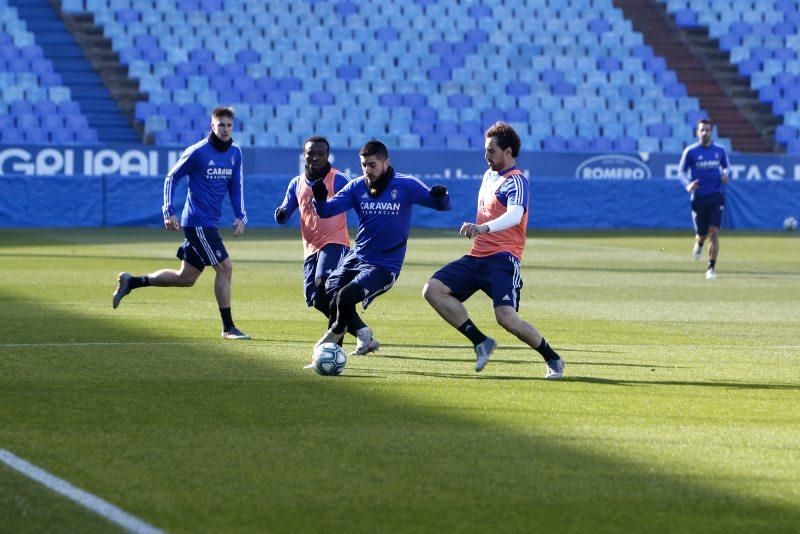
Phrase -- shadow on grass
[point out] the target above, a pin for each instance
(237, 437)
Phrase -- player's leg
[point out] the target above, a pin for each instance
(509, 319)
(325, 263)
(446, 291)
(698, 220)
(338, 279)
(207, 244)
(369, 282)
(222, 292)
(714, 223)
(192, 266)
(505, 285)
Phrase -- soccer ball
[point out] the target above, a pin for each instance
(329, 359)
(790, 224)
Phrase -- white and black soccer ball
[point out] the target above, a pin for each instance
(329, 359)
(790, 224)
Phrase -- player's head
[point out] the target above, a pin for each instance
(502, 146)
(316, 151)
(222, 122)
(374, 160)
(703, 130)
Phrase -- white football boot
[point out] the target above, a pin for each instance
(365, 343)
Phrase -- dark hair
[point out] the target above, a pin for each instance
(223, 111)
(703, 121)
(317, 139)
(506, 137)
(374, 148)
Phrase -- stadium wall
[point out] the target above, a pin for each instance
(122, 186)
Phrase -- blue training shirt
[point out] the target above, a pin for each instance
(384, 222)
(704, 163)
(211, 175)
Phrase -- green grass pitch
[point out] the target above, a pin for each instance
(679, 410)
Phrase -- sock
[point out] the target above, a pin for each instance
(712, 264)
(547, 351)
(355, 325)
(227, 320)
(139, 281)
(471, 331)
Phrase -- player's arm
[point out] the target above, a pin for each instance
(340, 203)
(437, 197)
(236, 193)
(181, 168)
(684, 173)
(289, 204)
(724, 167)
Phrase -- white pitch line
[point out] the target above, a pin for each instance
(87, 500)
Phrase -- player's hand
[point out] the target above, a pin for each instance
(725, 178)
(172, 223)
(470, 230)
(238, 227)
(438, 191)
(692, 186)
(281, 215)
(320, 191)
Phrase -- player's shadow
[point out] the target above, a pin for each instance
(705, 383)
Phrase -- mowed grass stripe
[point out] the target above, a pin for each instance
(238, 437)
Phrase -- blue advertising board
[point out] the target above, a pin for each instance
(121, 185)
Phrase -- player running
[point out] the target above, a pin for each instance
(325, 241)
(703, 171)
(493, 264)
(382, 198)
(213, 167)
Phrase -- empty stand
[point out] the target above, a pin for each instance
(86, 88)
(763, 41)
(568, 74)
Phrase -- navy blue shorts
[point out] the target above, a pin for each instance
(373, 279)
(707, 211)
(498, 276)
(320, 265)
(202, 246)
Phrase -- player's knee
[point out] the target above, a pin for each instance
(350, 295)
(186, 279)
(507, 318)
(433, 291)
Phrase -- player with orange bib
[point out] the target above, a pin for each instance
(493, 263)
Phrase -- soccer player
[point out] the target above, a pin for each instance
(325, 241)
(382, 198)
(703, 171)
(213, 167)
(493, 264)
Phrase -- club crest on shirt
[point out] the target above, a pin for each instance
(394, 194)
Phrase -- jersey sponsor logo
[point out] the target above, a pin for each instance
(217, 173)
(613, 167)
(707, 164)
(382, 208)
